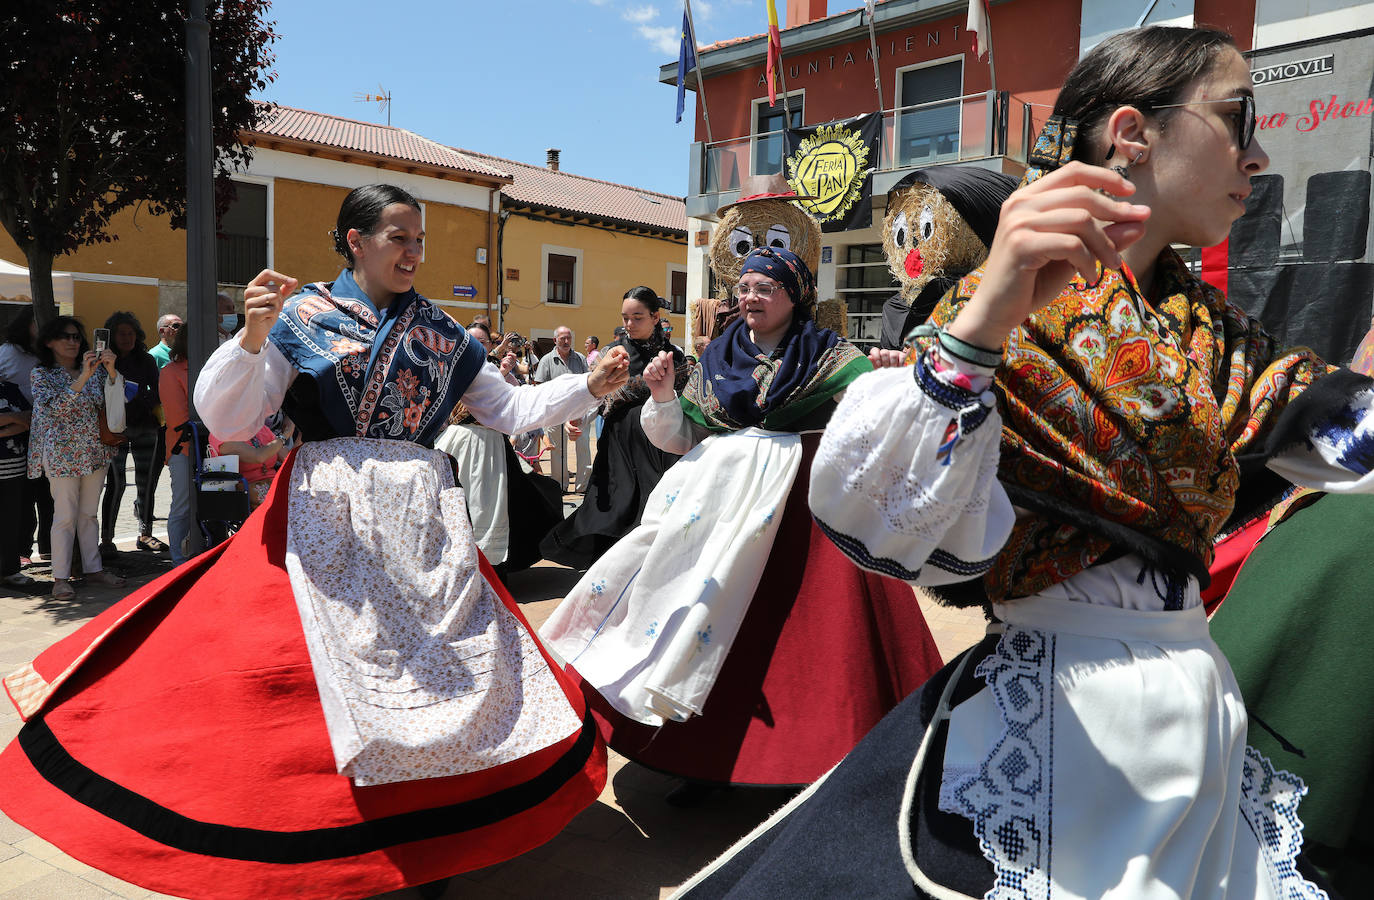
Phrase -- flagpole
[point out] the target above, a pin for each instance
(701, 79)
(992, 58)
(782, 75)
(873, 43)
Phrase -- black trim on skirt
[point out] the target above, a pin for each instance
(158, 823)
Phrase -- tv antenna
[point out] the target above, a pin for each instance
(382, 98)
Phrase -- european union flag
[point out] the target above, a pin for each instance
(686, 62)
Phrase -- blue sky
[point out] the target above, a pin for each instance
(510, 78)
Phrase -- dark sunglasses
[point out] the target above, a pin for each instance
(70, 336)
(1245, 128)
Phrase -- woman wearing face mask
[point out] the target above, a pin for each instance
(725, 639)
(342, 699)
(1063, 451)
(627, 465)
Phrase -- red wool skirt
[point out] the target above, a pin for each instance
(825, 651)
(177, 742)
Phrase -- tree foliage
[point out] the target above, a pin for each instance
(93, 115)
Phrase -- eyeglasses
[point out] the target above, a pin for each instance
(70, 336)
(175, 326)
(1245, 128)
(762, 291)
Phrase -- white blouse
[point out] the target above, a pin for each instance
(237, 390)
(905, 479)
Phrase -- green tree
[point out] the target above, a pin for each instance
(93, 116)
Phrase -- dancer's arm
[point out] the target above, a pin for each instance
(905, 479)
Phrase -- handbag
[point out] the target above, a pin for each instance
(107, 437)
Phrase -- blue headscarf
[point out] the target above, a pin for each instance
(736, 384)
(786, 268)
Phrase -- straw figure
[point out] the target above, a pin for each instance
(938, 226)
(765, 215)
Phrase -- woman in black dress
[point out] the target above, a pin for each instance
(627, 465)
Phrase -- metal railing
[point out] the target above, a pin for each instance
(239, 257)
(975, 126)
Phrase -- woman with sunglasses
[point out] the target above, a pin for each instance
(725, 639)
(1062, 452)
(71, 385)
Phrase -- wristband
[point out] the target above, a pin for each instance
(959, 349)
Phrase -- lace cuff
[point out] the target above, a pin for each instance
(905, 481)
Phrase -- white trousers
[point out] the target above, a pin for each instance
(75, 504)
(558, 457)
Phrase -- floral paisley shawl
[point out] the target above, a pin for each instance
(736, 385)
(1122, 422)
(394, 374)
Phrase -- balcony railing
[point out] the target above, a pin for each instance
(976, 126)
(239, 257)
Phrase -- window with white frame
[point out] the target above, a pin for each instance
(769, 124)
(241, 250)
(865, 283)
(929, 112)
(562, 275)
(677, 289)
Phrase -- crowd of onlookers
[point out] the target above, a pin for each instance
(76, 407)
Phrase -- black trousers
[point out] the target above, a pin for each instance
(144, 442)
(35, 516)
(12, 536)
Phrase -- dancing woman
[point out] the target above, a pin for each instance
(1068, 437)
(725, 639)
(342, 699)
(627, 464)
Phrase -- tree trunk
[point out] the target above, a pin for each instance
(40, 282)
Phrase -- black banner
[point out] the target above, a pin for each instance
(834, 164)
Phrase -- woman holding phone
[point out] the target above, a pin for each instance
(71, 384)
(357, 662)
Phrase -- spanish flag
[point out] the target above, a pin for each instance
(774, 66)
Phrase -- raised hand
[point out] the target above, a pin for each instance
(659, 375)
(611, 372)
(1061, 224)
(885, 359)
(262, 300)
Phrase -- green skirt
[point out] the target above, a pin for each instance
(1298, 629)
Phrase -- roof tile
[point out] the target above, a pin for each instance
(579, 194)
(367, 137)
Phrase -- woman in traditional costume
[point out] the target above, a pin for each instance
(511, 506)
(725, 639)
(342, 699)
(627, 466)
(1068, 436)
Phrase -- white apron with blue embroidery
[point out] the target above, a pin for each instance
(1107, 756)
(651, 623)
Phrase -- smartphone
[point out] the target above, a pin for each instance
(102, 339)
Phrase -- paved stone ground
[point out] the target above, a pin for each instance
(630, 844)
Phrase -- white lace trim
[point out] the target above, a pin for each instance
(1269, 800)
(1009, 798)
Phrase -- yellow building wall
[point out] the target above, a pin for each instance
(146, 246)
(612, 263)
(305, 213)
(94, 302)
